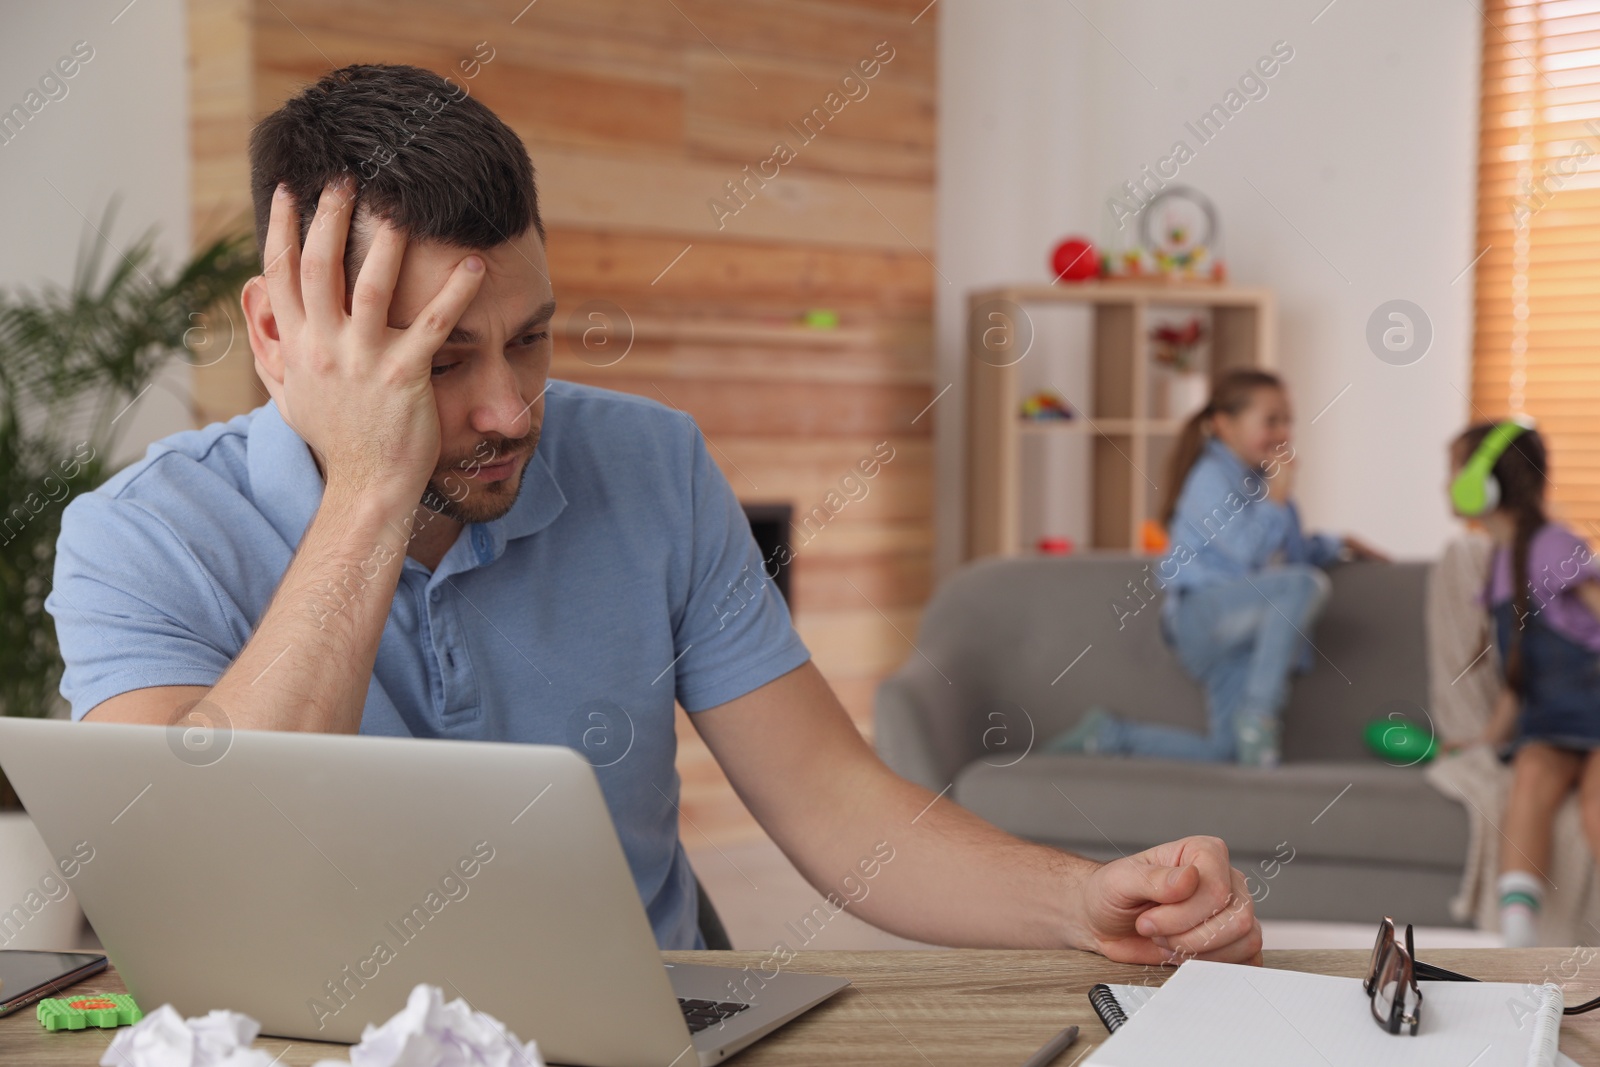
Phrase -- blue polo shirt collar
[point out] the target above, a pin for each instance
(283, 476)
(288, 490)
(538, 503)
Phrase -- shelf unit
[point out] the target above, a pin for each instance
(1119, 421)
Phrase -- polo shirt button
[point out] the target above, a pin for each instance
(434, 596)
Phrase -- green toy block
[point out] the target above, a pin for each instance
(94, 1009)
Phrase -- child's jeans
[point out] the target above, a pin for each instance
(1240, 639)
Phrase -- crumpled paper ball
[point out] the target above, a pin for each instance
(427, 1032)
(164, 1039)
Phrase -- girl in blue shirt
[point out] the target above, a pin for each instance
(1243, 583)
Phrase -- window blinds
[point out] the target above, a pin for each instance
(1536, 347)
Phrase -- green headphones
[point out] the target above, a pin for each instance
(1475, 490)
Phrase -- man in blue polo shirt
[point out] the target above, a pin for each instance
(423, 535)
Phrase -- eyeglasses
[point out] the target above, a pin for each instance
(1392, 976)
(1392, 979)
(1391, 983)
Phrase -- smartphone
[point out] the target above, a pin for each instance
(26, 976)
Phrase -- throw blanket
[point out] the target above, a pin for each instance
(1463, 680)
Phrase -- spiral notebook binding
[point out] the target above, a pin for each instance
(1106, 1006)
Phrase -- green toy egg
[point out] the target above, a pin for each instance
(1400, 741)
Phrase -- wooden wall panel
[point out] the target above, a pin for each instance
(637, 116)
(221, 112)
(748, 362)
(615, 191)
(625, 267)
(843, 583)
(882, 126)
(774, 408)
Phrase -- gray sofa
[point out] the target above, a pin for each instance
(1353, 837)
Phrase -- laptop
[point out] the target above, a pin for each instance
(312, 880)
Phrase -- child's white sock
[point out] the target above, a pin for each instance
(1521, 896)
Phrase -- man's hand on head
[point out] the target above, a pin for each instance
(1167, 904)
(358, 391)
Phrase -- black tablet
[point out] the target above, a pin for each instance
(27, 976)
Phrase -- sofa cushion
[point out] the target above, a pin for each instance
(1030, 644)
(1378, 813)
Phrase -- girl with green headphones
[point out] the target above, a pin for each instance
(1543, 600)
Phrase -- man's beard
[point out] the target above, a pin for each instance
(467, 500)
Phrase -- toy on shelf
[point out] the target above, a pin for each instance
(1075, 260)
(1045, 406)
(104, 1010)
(1055, 546)
(1181, 387)
(1131, 264)
(1175, 346)
(1178, 242)
(1152, 537)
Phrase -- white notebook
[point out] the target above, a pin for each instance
(1228, 1015)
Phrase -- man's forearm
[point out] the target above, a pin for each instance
(916, 864)
(953, 879)
(309, 663)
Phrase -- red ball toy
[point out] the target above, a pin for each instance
(1075, 260)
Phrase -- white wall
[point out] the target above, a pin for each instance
(1362, 156)
(122, 127)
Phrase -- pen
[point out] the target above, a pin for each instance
(1053, 1048)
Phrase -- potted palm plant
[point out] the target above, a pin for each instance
(71, 361)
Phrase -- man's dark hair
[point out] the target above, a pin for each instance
(425, 155)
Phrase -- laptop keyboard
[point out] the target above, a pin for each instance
(700, 1014)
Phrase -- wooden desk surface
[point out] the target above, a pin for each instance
(965, 1008)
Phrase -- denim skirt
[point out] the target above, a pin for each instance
(1561, 691)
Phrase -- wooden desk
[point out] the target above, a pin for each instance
(926, 1009)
